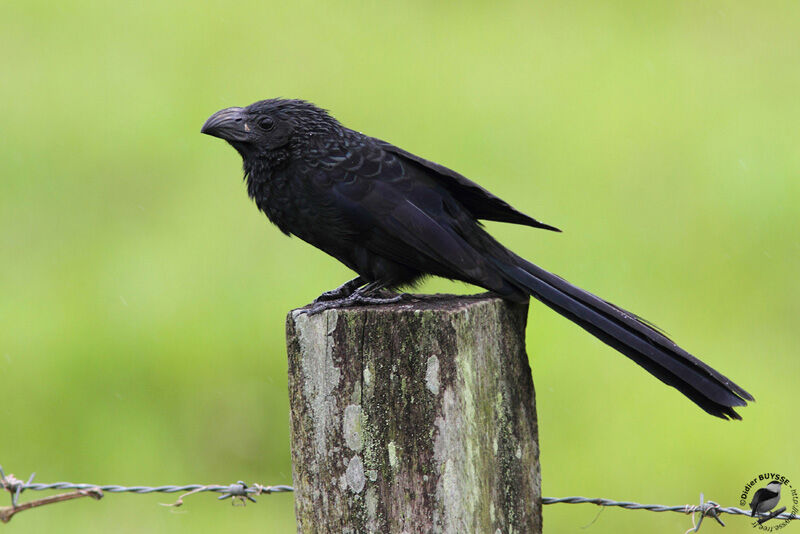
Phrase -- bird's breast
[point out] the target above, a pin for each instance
(272, 196)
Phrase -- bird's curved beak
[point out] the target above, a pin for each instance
(228, 124)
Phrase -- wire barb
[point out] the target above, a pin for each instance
(14, 485)
(239, 493)
(706, 509)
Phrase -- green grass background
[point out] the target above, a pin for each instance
(142, 296)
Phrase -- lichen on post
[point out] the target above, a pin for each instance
(414, 417)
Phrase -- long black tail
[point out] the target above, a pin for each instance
(630, 335)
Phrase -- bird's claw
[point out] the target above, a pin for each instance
(354, 299)
(334, 294)
(341, 292)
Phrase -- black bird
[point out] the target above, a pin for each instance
(766, 498)
(394, 217)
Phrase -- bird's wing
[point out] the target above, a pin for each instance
(758, 496)
(480, 202)
(400, 212)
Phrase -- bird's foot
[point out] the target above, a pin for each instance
(356, 298)
(341, 292)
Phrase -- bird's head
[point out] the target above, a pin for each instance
(268, 126)
(774, 486)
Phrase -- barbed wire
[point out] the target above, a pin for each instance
(705, 508)
(241, 492)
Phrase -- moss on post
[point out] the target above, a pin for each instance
(414, 417)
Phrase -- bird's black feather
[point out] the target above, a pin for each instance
(477, 200)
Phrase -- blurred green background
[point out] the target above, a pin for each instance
(142, 296)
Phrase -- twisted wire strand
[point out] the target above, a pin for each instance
(684, 509)
(113, 488)
(242, 490)
(262, 489)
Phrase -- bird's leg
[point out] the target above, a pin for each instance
(344, 290)
(369, 294)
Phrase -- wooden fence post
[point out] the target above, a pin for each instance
(414, 417)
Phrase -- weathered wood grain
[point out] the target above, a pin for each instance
(414, 417)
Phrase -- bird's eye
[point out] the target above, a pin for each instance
(266, 123)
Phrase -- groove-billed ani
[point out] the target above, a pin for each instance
(393, 217)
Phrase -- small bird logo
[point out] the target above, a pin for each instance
(765, 499)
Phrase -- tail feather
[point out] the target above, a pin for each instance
(632, 336)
